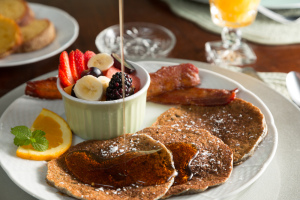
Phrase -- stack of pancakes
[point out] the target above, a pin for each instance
(224, 136)
(239, 124)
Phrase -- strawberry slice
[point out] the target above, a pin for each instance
(65, 82)
(79, 62)
(110, 72)
(136, 82)
(64, 72)
(72, 66)
(87, 55)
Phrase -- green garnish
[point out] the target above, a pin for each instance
(24, 136)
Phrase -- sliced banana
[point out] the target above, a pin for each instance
(89, 88)
(103, 61)
(105, 82)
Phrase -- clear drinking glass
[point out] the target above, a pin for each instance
(231, 15)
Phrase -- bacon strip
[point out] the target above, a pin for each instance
(196, 96)
(44, 89)
(171, 78)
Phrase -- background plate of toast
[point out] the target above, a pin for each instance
(67, 30)
(30, 175)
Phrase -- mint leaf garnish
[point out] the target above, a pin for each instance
(24, 136)
(41, 144)
(38, 133)
(21, 132)
(20, 142)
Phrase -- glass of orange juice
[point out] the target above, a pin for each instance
(231, 15)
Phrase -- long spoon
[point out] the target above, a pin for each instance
(293, 86)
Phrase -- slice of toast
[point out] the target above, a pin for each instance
(18, 10)
(37, 34)
(59, 176)
(240, 124)
(10, 36)
(213, 164)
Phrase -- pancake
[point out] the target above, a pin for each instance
(240, 124)
(59, 176)
(213, 164)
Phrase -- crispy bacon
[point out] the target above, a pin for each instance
(171, 78)
(196, 96)
(44, 89)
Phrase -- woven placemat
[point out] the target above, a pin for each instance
(263, 30)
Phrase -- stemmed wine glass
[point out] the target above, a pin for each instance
(231, 15)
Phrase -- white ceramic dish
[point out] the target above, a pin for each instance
(30, 175)
(67, 30)
(273, 4)
(102, 120)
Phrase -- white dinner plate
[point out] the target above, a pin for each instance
(30, 175)
(67, 30)
(272, 4)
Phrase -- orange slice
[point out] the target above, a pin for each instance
(58, 133)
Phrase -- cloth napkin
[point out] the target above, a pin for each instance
(263, 30)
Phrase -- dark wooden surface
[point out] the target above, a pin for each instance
(95, 15)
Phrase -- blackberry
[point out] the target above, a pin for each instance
(115, 91)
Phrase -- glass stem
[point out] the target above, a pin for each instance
(231, 38)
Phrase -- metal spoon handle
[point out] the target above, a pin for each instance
(293, 86)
